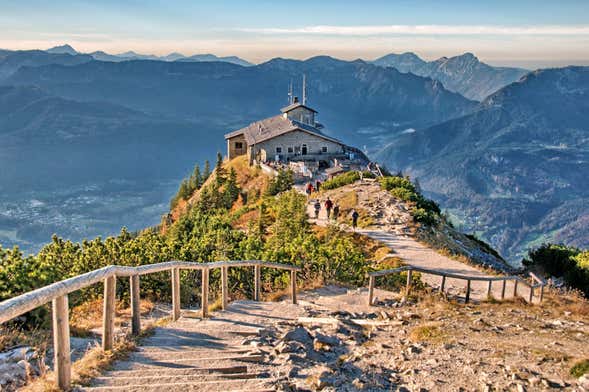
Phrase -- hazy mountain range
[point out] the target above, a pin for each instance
(89, 146)
(515, 169)
(130, 55)
(464, 74)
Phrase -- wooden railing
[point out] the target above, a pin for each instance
(468, 278)
(58, 292)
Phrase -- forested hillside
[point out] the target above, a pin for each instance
(229, 218)
(512, 171)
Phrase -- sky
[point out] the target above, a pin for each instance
(525, 33)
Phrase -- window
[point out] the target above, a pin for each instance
(278, 150)
(324, 149)
(238, 145)
(290, 150)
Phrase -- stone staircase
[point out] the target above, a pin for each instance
(191, 354)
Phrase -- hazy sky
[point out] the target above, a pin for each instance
(515, 32)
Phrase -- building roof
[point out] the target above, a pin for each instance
(269, 128)
(295, 105)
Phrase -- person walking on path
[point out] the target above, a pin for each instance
(355, 216)
(317, 207)
(309, 189)
(328, 207)
(335, 212)
(317, 185)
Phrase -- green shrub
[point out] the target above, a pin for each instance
(423, 216)
(282, 182)
(404, 194)
(341, 180)
(568, 263)
(580, 368)
(425, 210)
(389, 183)
(368, 174)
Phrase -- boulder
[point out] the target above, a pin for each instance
(299, 334)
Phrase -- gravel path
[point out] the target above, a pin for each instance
(414, 253)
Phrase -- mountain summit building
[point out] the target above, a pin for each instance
(291, 136)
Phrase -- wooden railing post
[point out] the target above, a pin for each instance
(61, 342)
(467, 298)
(175, 293)
(503, 289)
(224, 288)
(531, 297)
(489, 288)
(293, 286)
(515, 282)
(408, 287)
(443, 284)
(256, 282)
(108, 316)
(370, 290)
(135, 305)
(541, 293)
(205, 292)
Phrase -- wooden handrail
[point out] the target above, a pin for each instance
(468, 278)
(24, 303)
(57, 293)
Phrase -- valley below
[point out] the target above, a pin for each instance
(83, 211)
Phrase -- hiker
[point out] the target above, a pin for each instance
(317, 207)
(309, 189)
(317, 185)
(355, 216)
(335, 212)
(328, 206)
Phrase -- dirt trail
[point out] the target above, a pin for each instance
(415, 253)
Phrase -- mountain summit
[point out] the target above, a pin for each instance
(464, 74)
(63, 49)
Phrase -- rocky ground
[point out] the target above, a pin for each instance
(432, 344)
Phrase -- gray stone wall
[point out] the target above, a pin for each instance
(295, 140)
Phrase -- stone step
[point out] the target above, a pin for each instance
(186, 371)
(185, 363)
(193, 355)
(164, 354)
(202, 386)
(170, 379)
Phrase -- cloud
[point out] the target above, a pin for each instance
(425, 30)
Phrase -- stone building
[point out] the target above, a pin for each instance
(293, 135)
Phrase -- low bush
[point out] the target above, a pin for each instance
(426, 211)
(421, 215)
(282, 182)
(568, 263)
(341, 180)
(390, 183)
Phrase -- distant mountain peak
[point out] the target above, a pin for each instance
(464, 74)
(62, 49)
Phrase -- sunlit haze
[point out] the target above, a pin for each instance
(518, 33)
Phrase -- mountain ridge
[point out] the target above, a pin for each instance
(464, 74)
(528, 151)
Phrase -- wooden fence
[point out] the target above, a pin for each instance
(58, 292)
(468, 278)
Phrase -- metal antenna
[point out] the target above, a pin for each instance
(304, 89)
(290, 92)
